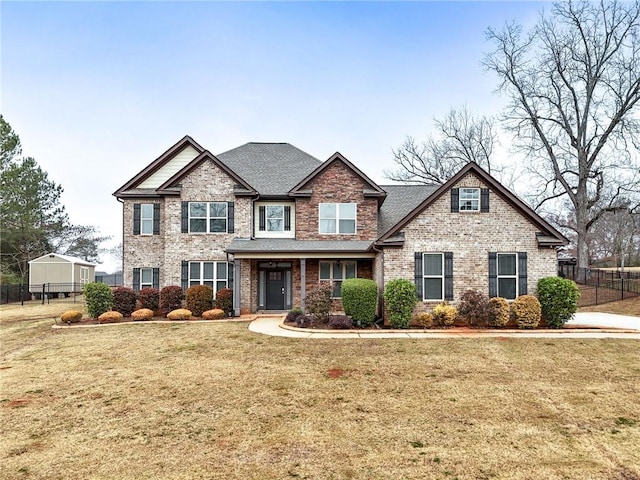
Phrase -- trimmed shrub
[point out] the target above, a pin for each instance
(304, 321)
(179, 314)
(498, 308)
(474, 308)
(99, 298)
(293, 314)
(526, 311)
(558, 300)
(318, 302)
(199, 298)
(340, 322)
(149, 298)
(124, 300)
(444, 314)
(423, 320)
(215, 314)
(400, 299)
(142, 314)
(110, 317)
(224, 301)
(359, 298)
(71, 316)
(170, 299)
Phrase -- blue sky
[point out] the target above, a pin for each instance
(97, 90)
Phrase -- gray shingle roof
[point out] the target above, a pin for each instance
(400, 201)
(285, 245)
(270, 168)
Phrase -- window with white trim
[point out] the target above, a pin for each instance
(213, 274)
(146, 219)
(507, 275)
(84, 275)
(146, 278)
(337, 218)
(469, 200)
(335, 273)
(208, 217)
(433, 276)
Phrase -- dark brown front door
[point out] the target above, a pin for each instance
(275, 290)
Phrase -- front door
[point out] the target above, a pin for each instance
(275, 290)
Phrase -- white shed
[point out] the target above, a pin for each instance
(60, 273)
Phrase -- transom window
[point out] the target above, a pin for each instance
(335, 273)
(469, 199)
(507, 275)
(433, 276)
(146, 219)
(207, 217)
(213, 274)
(146, 278)
(337, 218)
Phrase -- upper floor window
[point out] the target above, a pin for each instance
(213, 274)
(208, 217)
(274, 218)
(335, 273)
(469, 199)
(337, 218)
(146, 218)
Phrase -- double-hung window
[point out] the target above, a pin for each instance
(213, 274)
(208, 217)
(146, 219)
(433, 276)
(337, 218)
(507, 275)
(469, 199)
(335, 273)
(146, 278)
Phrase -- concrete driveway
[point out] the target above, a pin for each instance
(606, 320)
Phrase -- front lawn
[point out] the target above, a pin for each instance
(209, 401)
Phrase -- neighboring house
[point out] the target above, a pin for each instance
(271, 221)
(60, 273)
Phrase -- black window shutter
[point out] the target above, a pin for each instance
(418, 278)
(484, 200)
(448, 276)
(230, 215)
(185, 217)
(136, 219)
(262, 218)
(230, 272)
(455, 200)
(287, 218)
(184, 275)
(522, 273)
(156, 219)
(493, 274)
(136, 280)
(156, 278)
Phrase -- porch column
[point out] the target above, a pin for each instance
(237, 279)
(303, 282)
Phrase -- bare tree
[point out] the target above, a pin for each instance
(616, 235)
(461, 138)
(574, 84)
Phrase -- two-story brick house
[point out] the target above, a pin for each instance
(271, 221)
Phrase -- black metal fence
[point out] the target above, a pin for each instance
(14, 294)
(43, 292)
(602, 286)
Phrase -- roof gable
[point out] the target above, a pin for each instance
(66, 258)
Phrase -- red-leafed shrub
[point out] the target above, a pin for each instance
(124, 300)
(340, 322)
(199, 298)
(170, 299)
(474, 308)
(224, 301)
(149, 298)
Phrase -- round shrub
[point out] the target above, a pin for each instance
(474, 308)
(71, 316)
(498, 308)
(110, 317)
(400, 299)
(224, 301)
(340, 322)
(304, 321)
(142, 314)
(170, 299)
(124, 300)
(199, 298)
(526, 311)
(558, 300)
(423, 320)
(444, 314)
(179, 314)
(293, 314)
(215, 314)
(359, 298)
(318, 301)
(149, 298)
(99, 298)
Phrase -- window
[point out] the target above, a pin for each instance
(469, 199)
(84, 275)
(335, 273)
(433, 276)
(274, 218)
(146, 219)
(213, 274)
(208, 217)
(337, 218)
(146, 278)
(507, 275)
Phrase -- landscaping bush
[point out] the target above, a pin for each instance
(400, 299)
(444, 314)
(199, 298)
(423, 320)
(340, 322)
(179, 314)
(498, 308)
(318, 302)
(558, 300)
(474, 308)
(124, 300)
(170, 299)
(224, 301)
(359, 298)
(304, 321)
(71, 316)
(215, 314)
(142, 314)
(99, 298)
(149, 298)
(110, 317)
(293, 314)
(526, 311)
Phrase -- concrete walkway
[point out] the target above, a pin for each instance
(598, 325)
